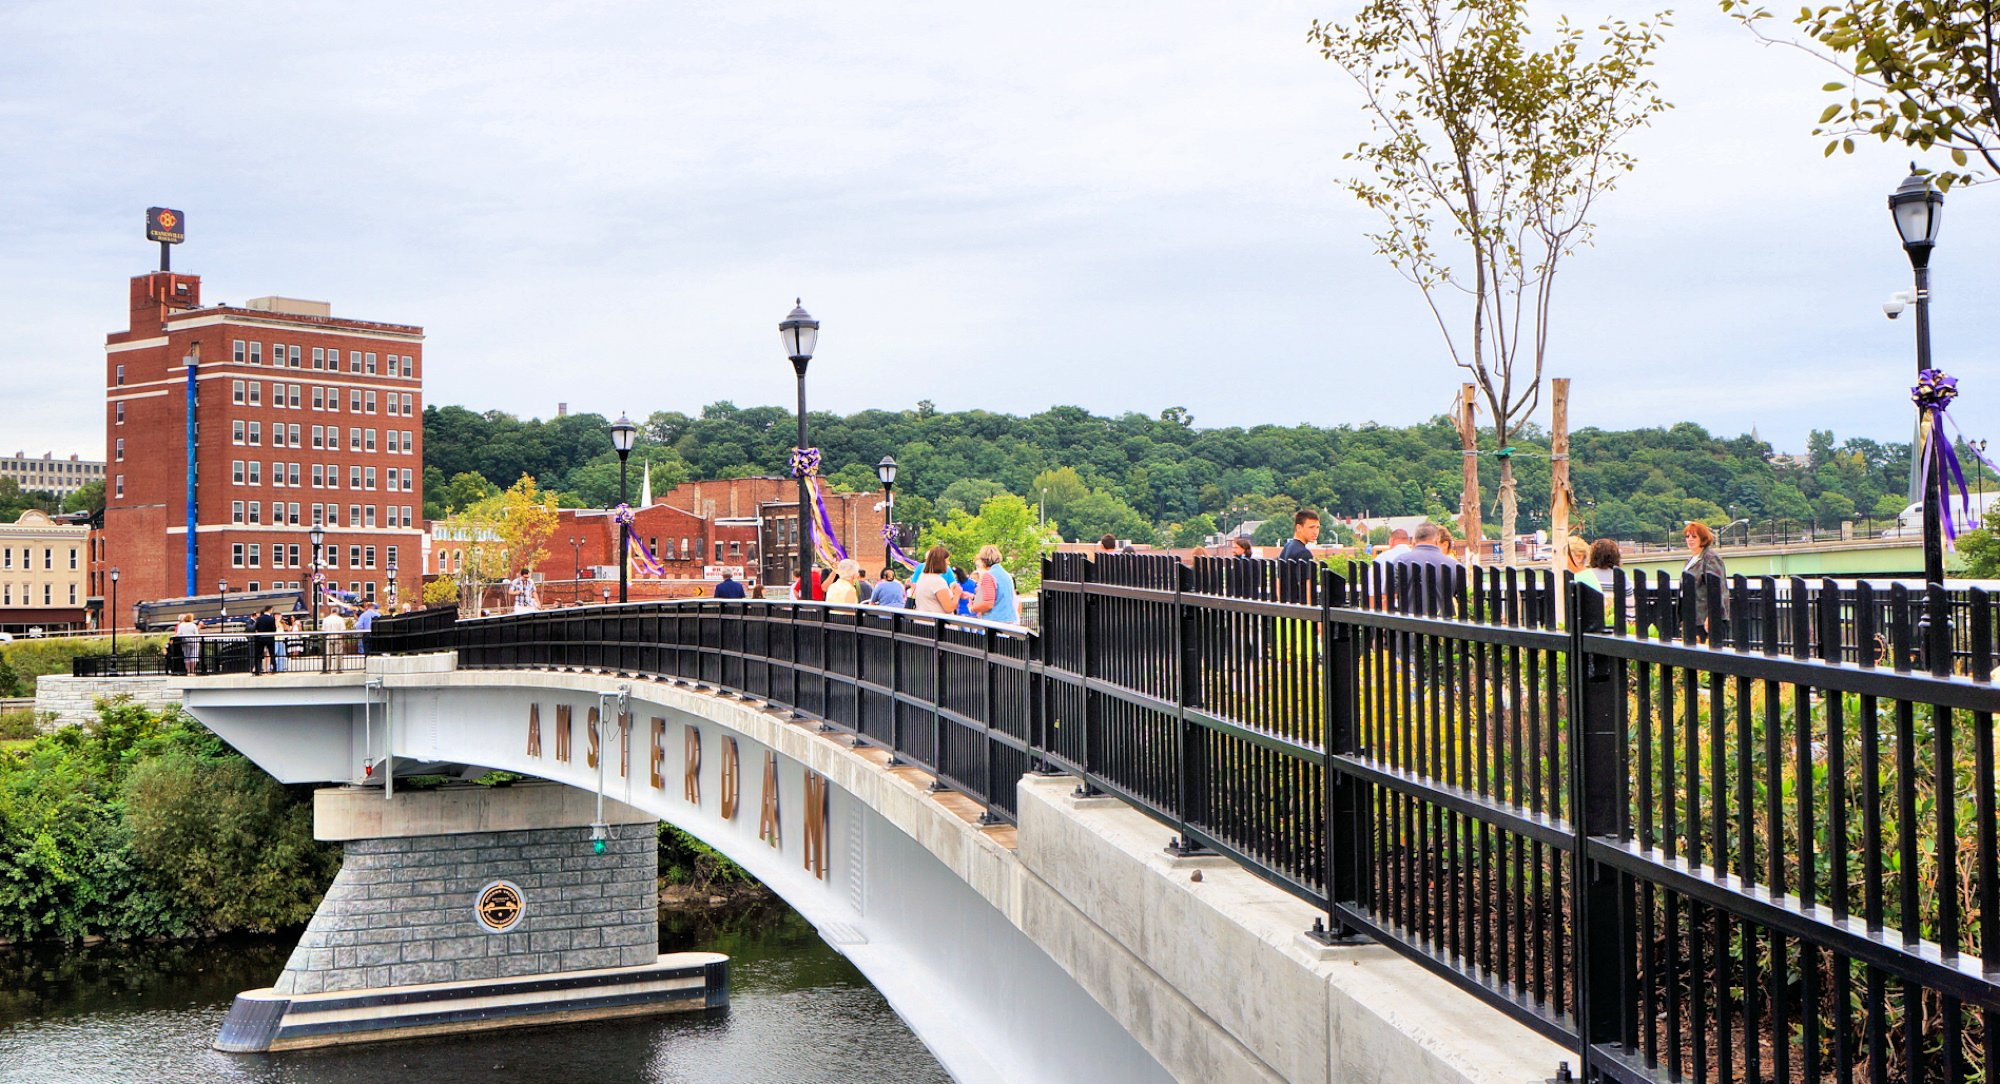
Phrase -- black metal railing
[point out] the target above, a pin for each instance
(234, 653)
(1772, 856)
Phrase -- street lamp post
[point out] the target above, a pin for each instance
(607, 595)
(575, 569)
(222, 588)
(114, 609)
(1919, 210)
(800, 333)
(622, 432)
(316, 536)
(886, 470)
(392, 586)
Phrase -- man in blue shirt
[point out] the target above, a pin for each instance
(1305, 535)
(365, 622)
(1427, 563)
(729, 588)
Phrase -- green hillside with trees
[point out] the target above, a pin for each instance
(1166, 480)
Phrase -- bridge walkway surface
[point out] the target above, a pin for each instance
(1415, 829)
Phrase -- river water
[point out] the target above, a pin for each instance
(799, 1014)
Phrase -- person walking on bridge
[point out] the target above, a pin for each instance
(1427, 564)
(1305, 535)
(263, 640)
(1703, 564)
(994, 600)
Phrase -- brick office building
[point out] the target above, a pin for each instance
(298, 418)
(774, 504)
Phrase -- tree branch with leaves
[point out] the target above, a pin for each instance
(1925, 73)
(1486, 158)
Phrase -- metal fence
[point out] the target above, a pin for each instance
(235, 653)
(1770, 858)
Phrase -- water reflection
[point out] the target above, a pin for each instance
(800, 1015)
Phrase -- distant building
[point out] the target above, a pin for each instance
(61, 477)
(44, 571)
(297, 418)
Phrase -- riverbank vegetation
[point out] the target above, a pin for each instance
(144, 824)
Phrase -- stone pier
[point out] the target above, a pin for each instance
(453, 903)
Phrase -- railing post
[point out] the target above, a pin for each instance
(989, 770)
(1192, 771)
(937, 705)
(1597, 785)
(1346, 823)
(896, 623)
(1087, 605)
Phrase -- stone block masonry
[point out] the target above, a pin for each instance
(73, 700)
(403, 910)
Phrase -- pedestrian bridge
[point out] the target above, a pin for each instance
(1256, 821)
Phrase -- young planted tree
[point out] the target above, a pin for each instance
(1922, 72)
(1485, 160)
(505, 532)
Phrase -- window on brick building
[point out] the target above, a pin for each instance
(235, 511)
(354, 556)
(236, 471)
(319, 436)
(121, 486)
(369, 398)
(296, 351)
(256, 511)
(392, 478)
(292, 435)
(236, 350)
(370, 552)
(118, 447)
(292, 552)
(395, 442)
(256, 556)
(277, 513)
(256, 434)
(236, 555)
(354, 400)
(407, 401)
(354, 477)
(256, 353)
(371, 440)
(291, 474)
(354, 361)
(319, 476)
(118, 375)
(392, 556)
(407, 521)
(292, 513)
(236, 391)
(390, 407)
(353, 439)
(256, 393)
(369, 512)
(354, 515)
(409, 369)
(118, 411)
(370, 472)
(256, 472)
(371, 363)
(319, 357)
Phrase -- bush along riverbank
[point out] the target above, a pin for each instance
(144, 824)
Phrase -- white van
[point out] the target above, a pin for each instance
(1910, 523)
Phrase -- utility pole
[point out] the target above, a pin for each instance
(1468, 501)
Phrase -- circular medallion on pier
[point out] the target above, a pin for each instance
(500, 906)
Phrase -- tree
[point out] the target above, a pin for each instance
(967, 494)
(89, 497)
(504, 532)
(1925, 73)
(1193, 532)
(1486, 160)
(1005, 521)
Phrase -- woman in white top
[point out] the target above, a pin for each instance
(934, 593)
(188, 632)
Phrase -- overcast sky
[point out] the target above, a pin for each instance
(1124, 206)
